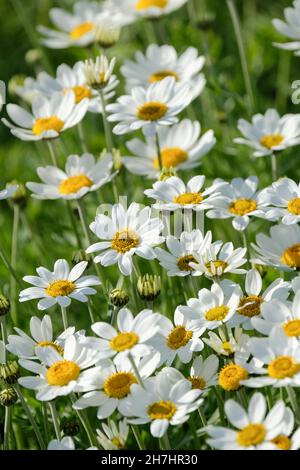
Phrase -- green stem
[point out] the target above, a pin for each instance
(106, 125)
(46, 422)
(137, 436)
(52, 153)
(9, 266)
(30, 416)
(74, 224)
(220, 402)
(4, 333)
(136, 371)
(160, 162)
(274, 167)
(7, 427)
(294, 404)
(114, 315)
(81, 137)
(202, 417)
(164, 442)
(90, 309)
(13, 260)
(64, 317)
(86, 424)
(55, 419)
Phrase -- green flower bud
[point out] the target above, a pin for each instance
(10, 372)
(4, 306)
(149, 287)
(167, 173)
(119, 297)
(70, 426)
(8, 397)
(19, 197)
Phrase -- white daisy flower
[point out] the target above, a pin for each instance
(255, 427)
(113, 436)
(281, 249)
(204, 373)
(181, 252)
(281, 356)
(59, 374)
(98, 74)
(49, 117)
(8, 192)
(147, 8)
(41, 332)
(160, 62)
(238, 200)
(288, 440)
(182, 148)
(180, 338)
(132, 336)
(250, 305)
(284, 194)
(126, 233)
(161, 403)
(224, 344)
(148, 108)
(66, 443)
(173, 194)
(109, 384)
(290, 28)
(59, 286)
(270, 133)
(82, 175)
(212, 308)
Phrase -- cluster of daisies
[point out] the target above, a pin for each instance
(141, 368)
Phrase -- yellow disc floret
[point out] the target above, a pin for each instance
(124, 341)
(292, 328)
(162, 410)
(60, 288)
(73, 184)
(57, 347)
(231, 376)
(216, 313)
(183, 263)
(250, 306)
(118, 385)
(158, 76)
(152, 111)
(283, 367)
(144, 4)
(62, 372)
(294, 206)
(251, 435)
(52, 123)
(272, 140)
(291, 256)
(242, 207)
(124, 240)
(282, 442)
(179, 337)
(188, 198)
(171, 158)
(81, 30)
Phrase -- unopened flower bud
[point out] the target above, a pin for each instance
(117, 159)
(167, 173)
(107, 35)
(4, 306)
(81, 255)
(32, 56)
(70, 426)
(10, 372)
(8, 397)
(149, 287)
(97, 73)
(119, 297)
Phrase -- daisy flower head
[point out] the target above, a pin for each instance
(270, 133)
(204, 373)
(255, 428)
(148, 8)
(290, 28)
(49, 117)
(98, 75)
(179, 338)
(113, 436)
(284, 197)
(288, 440)
(281, 249)
(160, 62)
(60, 286)
(82, 175)
(148, 108)
(182, 148)
(238, 200)
(161, 403)
(131, 337)
(58, 374)
(125, 234)
(181, 252)
(66, 443)
(224, 344)
(173, 194)
(109, 384)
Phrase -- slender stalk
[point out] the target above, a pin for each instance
(136, 371)
(220, 402)
(274, 167)
(30, 416)
(160, 162)
(6, 262)
(7, 427)
(13, 261)
(164, 442)
(90, 309)
(241, 47)
(46, 422)
(74, 224)
(86, 424)
(137, 436)
(52, 152)
(294, 403)
(114, 315)
(107, 130)
(202, 417)
(64, 317)
(82, 138)
(3, 333)
(55, 419)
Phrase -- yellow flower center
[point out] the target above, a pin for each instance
(152, 111)
(227, 347)
(158, 76)
(253, 308)
(217, 313)
(171, 157)
(144, 4)
(118, 385)
(216, 264)
(251, 435)
(179, 337)
(282, 442)
(291, 256)
(292, 328)
(62, 372)
(74, 183)
(230, 377)
(183, 262)
(81, 92)
(198, 383)
(57, 347)
(242, 206)
(116, 442)
(294, 206)
(283, 367)
(272, 140)
(124, 341)
(162, 410)
(188, 198)
(125, 240)
(81, 30)
(52, 123)
(60, 288)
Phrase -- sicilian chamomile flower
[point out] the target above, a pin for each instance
(66, 443)
(60, 286)
(109, 384)
(179, 338)
(125, 234)
(284, 197)
(287, 439)
(281, 249)
(82, 175)
(58, 374)
(173, 194)
(181, 252)
(238, 200)
(182, 148)
(147, 8)
(131, 338)
(290, 28)
(161, 403)
(204, 373)
(224, 343)
(98, 75)
(49, 117)
(256, 428)
(148, 108)
(270, 133)
(160, 62)
(41, 331)
(113, 436)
